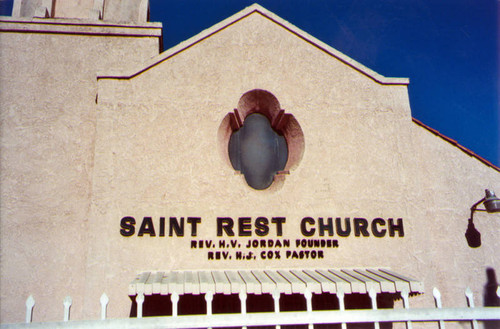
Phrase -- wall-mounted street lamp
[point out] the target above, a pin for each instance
(491, 205)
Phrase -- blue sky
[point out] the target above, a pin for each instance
(448, 49)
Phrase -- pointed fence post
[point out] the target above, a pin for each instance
(140, 300)
(405, 294)
(67, 305)
(340, 296)
(104, 303)
(209, 297)
(308, 296)
(243, 302)
(437, 297)
(175, 300)
(373, 296)
(470, 301)
(276, 298)
(30, 302)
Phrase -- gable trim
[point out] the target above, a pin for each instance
(255, 8)
(455, 143)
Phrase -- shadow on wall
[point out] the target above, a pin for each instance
(490, 297)
(472, 235)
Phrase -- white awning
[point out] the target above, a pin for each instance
(287, 281)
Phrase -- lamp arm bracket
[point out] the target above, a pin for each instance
(474, 206)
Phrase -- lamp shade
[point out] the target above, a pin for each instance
(491, 202)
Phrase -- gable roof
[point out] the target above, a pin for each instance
(255, 9)
(455, 143)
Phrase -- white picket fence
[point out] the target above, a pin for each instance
(437, 314)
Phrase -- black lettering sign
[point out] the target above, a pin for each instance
(244, 226)
(162, 226)
(279, 221)
(176, 226)
(127, 226)
(361, 227)
(393, 228)
(261, 226)
(194, 221)
(325, 227)
(379, 233)
(338, 225)
(303, 228)
(225, 224)
(147, 227)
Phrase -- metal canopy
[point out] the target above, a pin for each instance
(267, 281)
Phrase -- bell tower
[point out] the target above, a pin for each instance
(118, 11)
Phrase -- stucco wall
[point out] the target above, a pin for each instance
(157, 155)
(117, 11)
(47, 136)
(74, 9)
(445, 184)
(71, 169)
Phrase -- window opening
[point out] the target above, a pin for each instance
(283, 147)
(258, 151)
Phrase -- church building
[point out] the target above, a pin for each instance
(250, 168)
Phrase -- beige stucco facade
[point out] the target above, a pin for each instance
(97, 126)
